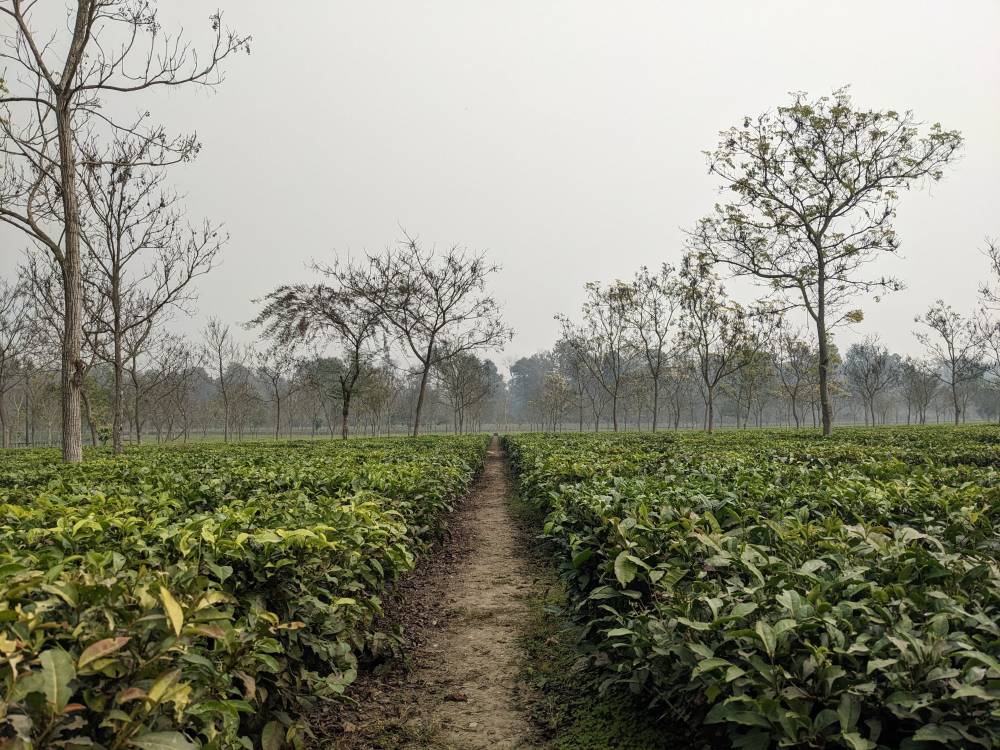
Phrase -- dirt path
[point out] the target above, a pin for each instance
(462, 691)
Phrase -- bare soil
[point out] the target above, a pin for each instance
(462, 611)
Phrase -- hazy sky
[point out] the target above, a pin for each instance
(564, 138)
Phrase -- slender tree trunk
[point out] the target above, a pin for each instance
(345, 411)
(136, 418)
(824, 350)
(656, 402)
(118, 400)
(90, 417)
(710, 410)
(4, 439)
(27, 408)
(72, 278)
(277, 414)
(423, 387)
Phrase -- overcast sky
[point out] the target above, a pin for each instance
(563, 138)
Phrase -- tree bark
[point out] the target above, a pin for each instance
(70, 264)
(423, 388)
(118, 405)
(345, 411)
(90, 418)
(656, 402)
(824, 347)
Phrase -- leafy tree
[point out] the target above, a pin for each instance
(815, 189)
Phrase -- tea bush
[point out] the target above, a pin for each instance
(788, 589)
(204, 596)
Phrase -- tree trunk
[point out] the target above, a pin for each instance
(118, 400)
(72, 278)
(27, 408)
(710, 410)
(824, 349)
(423, 387)
(90, 418)
(656, 402)
(136, 419)
(345, 411)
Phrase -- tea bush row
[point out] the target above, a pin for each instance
(783, 589)
(205, 596)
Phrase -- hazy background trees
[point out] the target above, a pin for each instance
(406, 340)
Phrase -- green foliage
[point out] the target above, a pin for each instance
(567, 703)
(787, 589)
(204, 596)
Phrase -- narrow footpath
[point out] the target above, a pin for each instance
(469, 605)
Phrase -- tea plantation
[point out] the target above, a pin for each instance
(204, 596)
(772, 589)
(754, 589)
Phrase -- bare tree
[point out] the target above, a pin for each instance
(56, 94)
(143, 255)
(222, 356)
(434, 305)
(275, 366)
(919, 385)
(379, 394)
(653, 312)
(602, 342)
(795, 362)
(989, 291)
(14, 341)
(715, 329)
(871, 369)
(464, 382)
(816, 187)
(301, 312)
(42, 277)
(956, 348)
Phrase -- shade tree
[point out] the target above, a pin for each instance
(813, 188)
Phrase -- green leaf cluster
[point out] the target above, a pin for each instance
(793, 590)
(205, 596)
